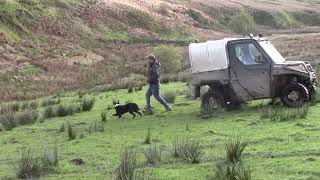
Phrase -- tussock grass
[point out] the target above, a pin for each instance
(33, 105)
(127, 166)
(103, 116)
(29, 165)
(152, 154)
(26, 117)
(130, 89)
(87, 104)
(28, 105)
(96, 127)
(10, 121)
(144, 174)
(283, 113)
(50, 102)
(10, 108)
(7, 121)
(49, 112)
(32, 165)
(66, 110)
(232, 171)
(62, 127)
(169, 96)
(233, 167)
(187, 149)
(234, 149)
(49, 158)
(70, 131)
(148, 137)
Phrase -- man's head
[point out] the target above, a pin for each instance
(151, 58)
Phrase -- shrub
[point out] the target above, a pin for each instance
(127, 166)
(197, 16)
(148, 137)
(29, 166)
(49, 112)
(169, 96)
(87, 104)
(103, 117)
(49, 158)
(188, 149)
(65, 110)
(152, 154)
(242, 23)
(96, 127)
(170, 58)
(26, 117)
(163, 8)
(234, 149)
(71, 132)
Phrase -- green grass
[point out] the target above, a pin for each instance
(276, 150)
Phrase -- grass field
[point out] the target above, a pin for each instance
(276, 150)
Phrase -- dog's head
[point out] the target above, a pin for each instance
(115, 103)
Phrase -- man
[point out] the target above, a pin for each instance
(154, 83)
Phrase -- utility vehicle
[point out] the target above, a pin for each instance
(238, 70)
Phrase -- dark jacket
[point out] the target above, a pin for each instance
(154, 73)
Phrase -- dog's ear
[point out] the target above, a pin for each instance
(118, 102)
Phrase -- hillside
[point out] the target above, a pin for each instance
(48, 46)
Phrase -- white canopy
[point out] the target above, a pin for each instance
(208, 56)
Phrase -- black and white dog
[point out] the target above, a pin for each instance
(131, 108)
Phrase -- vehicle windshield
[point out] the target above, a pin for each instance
(272, 52)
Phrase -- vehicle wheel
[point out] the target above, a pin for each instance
(213, 101)
(295, 95)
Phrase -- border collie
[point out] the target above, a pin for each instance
(131, 108)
